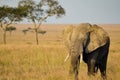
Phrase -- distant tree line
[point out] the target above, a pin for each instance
(32, 29)
(9, 15)
(36, 12)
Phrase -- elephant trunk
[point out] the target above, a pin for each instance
(76, 56)
(75, 62)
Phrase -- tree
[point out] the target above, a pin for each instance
(9, 15)
(38, 12)
(10, 29)
(25, 31)
(42, 32)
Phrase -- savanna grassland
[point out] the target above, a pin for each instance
(22, 59)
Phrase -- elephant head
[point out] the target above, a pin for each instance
(83, 39)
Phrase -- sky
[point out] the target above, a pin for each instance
(79, 11)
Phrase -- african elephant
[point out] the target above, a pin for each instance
(90, 41)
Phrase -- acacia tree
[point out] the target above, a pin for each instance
(25, 31)
(10, 29)
(9, 15)
(38, 12)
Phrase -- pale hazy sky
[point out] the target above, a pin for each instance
(78, 11)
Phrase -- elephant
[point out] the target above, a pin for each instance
(92, 43)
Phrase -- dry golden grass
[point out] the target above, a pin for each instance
(22, 59)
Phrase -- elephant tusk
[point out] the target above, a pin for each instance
(66, 58)
(81, 58)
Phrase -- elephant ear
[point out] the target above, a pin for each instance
(67, 35)
(97, 38)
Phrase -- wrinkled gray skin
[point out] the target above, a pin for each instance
(92, 42)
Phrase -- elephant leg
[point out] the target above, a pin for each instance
(103, 61)
(102, 66)
(92, 63)
(75, 62)
(96, 68)
(91, 67)
(103, 70)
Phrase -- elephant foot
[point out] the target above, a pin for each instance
(104, 77)
(91, 74)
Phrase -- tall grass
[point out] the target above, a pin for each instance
(28, 62)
